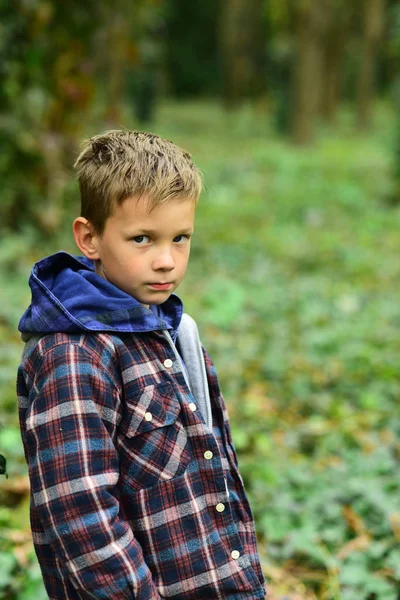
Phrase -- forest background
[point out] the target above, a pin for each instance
(291, 110)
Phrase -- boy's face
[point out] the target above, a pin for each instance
(145, 253)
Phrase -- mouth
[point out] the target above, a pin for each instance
(160, 286)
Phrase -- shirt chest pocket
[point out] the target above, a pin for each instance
(153, 441)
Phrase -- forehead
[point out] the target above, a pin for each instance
(140, 211)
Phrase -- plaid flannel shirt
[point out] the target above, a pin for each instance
(131, 495)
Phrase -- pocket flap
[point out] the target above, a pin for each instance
(156, 407)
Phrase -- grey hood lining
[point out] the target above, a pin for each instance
(190, 349)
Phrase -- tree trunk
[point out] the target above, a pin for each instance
(331, 88)
(242, 49)
(115, 55)
(373, 25)
(310, 24)
(340, 15)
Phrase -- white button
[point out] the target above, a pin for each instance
(208, 454)
(235, 554)
(168, 363)
(192, 406)
(148, 416)
(220, 507)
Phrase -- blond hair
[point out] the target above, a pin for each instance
(118, 164)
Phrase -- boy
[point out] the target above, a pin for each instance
(135, 488)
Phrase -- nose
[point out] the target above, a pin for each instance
(164, 261)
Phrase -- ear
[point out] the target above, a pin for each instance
(85, 238)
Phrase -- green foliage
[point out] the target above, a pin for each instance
(192, 46)
(294, 283)
(57, 61)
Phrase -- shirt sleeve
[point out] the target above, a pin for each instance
(74, 470)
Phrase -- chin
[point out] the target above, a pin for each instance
(158, 300)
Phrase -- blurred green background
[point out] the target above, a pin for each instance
(291, 110)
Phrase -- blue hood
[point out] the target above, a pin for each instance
(69, 297)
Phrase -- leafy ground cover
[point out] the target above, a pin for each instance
(294, 283)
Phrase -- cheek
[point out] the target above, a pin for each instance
(137, 267)
(121, 269)
(184, 262)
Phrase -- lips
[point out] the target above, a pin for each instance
(160, 286)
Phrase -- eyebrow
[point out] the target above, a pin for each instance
(187, 230)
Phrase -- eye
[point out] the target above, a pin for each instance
(180, 239)
(141, 240)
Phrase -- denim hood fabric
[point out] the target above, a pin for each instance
(69, 297)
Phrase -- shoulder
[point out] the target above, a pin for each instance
(188, 333)
(187, 322)
(102, 349)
